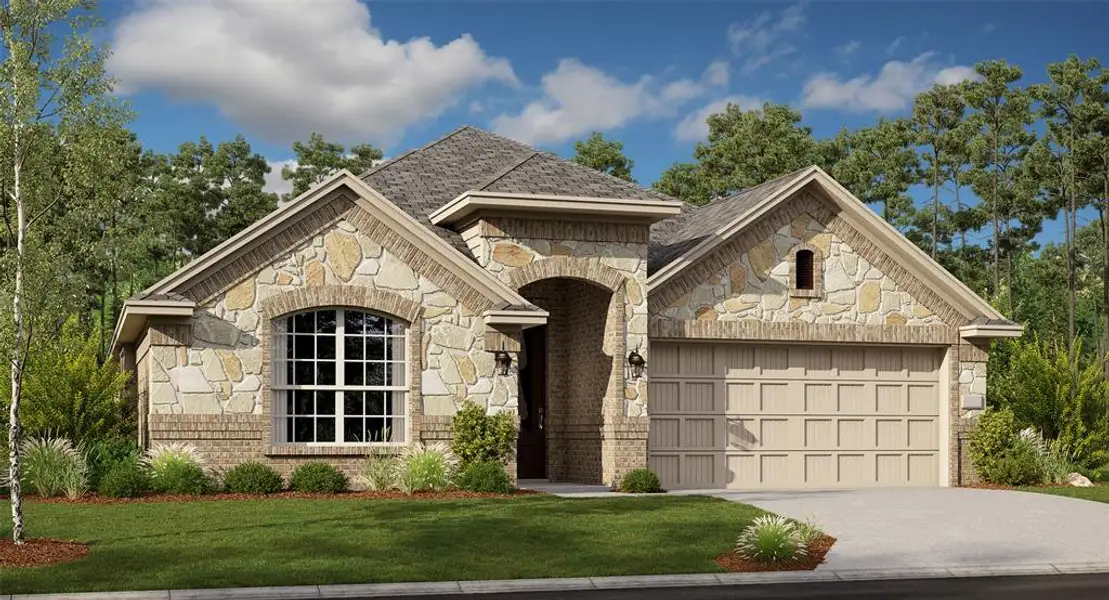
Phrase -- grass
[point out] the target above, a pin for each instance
(1098, 493)
(176, 545)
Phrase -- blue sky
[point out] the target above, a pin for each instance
(400, 74)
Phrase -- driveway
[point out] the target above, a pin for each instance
(946, 527)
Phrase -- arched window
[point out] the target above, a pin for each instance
(804, 266)
(338, 378)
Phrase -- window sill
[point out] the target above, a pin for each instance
(336, 450)
(805, 293)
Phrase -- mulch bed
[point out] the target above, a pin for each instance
(732, 561)
(391, 495)
(39, 552)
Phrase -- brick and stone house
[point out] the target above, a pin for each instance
(791, 338)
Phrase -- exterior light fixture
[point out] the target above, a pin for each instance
(503, 360)
(637, 363)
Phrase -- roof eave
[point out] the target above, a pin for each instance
(468, 205)
(133, 319)
(990, 332)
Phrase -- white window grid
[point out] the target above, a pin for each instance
(321, 361)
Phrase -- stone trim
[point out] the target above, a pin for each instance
(558, 230)
(752, 330)
(817, 272)
(587, 269)
(233, 271)
(341, 295)
(414, 355)
(420, 262)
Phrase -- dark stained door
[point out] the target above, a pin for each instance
(531, 448)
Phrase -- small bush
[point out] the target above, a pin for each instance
(479, 436)
(317, 477)
(427, 468)
(174, 453)
(51, 467)
(103, 455)
(771, 538)
(640, 481)
(1021, 465)
(487, 476)
(992, 439)
(809, 531)
(252, 478)
(126, 479)
(181, 478)
(380, 471)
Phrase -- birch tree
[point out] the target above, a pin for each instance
(54, 97)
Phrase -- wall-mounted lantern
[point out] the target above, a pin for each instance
(637, 363)
(503, 361)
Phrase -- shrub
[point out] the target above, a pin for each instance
(252, 478)
(52, 466)
(479, 436)
(487, 476)
(809, 531)
(640, 481)
(992, 438)
(126, 479)
(380, 470)
(181, 478)
(771, 538)
(427, 468)
(103, 455)
(1020, 465)
(317, 477)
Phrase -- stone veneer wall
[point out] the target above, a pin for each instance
(613, 257)
(210, 389)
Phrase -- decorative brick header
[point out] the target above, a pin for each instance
(558, 230)
(573, 267)
(754, 330)
(817, 272)
(341, 295)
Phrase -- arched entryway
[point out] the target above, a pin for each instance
(566, 372)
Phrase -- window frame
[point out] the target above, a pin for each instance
(817, 289)
(393, 394)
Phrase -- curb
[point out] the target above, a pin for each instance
(380, 590)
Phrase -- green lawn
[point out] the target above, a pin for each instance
(1098, 493)
(291, 542)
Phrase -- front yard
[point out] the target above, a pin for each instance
(173, 545)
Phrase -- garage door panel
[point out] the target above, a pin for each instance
(665, 360)
(791, 416)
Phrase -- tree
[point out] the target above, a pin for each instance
(879, 165)
(606, 156)
(54, 94)
(937, 114)
(318, 159)
(745, 149)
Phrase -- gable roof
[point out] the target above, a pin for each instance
(697, 235)
(470, 159)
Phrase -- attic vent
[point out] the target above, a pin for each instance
(804, 270)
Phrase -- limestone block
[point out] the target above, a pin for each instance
(512, 255)
(370, 248)
(217, 332)
(466, 369)
(706, 313)
(250, 383)
(162, 393)
(823, 241)
(241, 296)
(200, 404)
(440, 299)
(634, 292)
(895, 319)
(737, 276)
(314, 274)
(448, 371)
(189, 379)
(231, 365)
(343, 254)
(241, 403)
(248, 321)
(251, 359)
(835, 278)
(395, 275)
(870, 296)
(763, 258)
(212, 366)
(431, 384)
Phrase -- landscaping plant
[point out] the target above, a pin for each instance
(52, 466)
(427, 468)
(487, 476)
(640, 481)
(252, 478)
(381, 470)
(317, 477)
(104, 454)
(177, 468)
(808, 530)
(127, 479)
(771, 538)
(478, 436)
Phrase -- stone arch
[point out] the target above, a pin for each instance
(341, 295)
(585, 269)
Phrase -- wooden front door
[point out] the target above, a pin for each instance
(531, 448)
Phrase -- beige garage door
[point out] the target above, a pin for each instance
(751, 416)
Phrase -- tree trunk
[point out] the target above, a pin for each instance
(996, 223)
(935, 201)
(14, 429)
(1105, 268)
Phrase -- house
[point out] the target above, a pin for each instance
(791, 338)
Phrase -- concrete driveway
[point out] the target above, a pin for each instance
(946, 527)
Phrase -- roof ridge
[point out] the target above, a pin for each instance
(508, 170)
(791, 175)
(621, 182)
(391, 162)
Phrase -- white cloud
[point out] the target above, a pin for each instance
(893, 88)
(988, 28)
(849, 48)
(895, 45)
(718, 73)
(284, 69)
(761, 40)
(274, 182)
(694, 126)
(578, 98)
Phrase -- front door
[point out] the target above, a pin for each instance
(531, 448)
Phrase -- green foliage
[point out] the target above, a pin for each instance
(69, 393)
(605, 156)
(318, 477)
(103, 455)
(993, 437)
(1059, 392)
(381, 470)
(318, 159)
(52, 467)
(640, 481)
(1019, 465)
(252, 478)
(809, 531)
(771, 538)
(427, 468)
(478, 436)
(126, 479)
(486, 476)
(181, 478)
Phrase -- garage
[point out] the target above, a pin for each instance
(787, 416)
